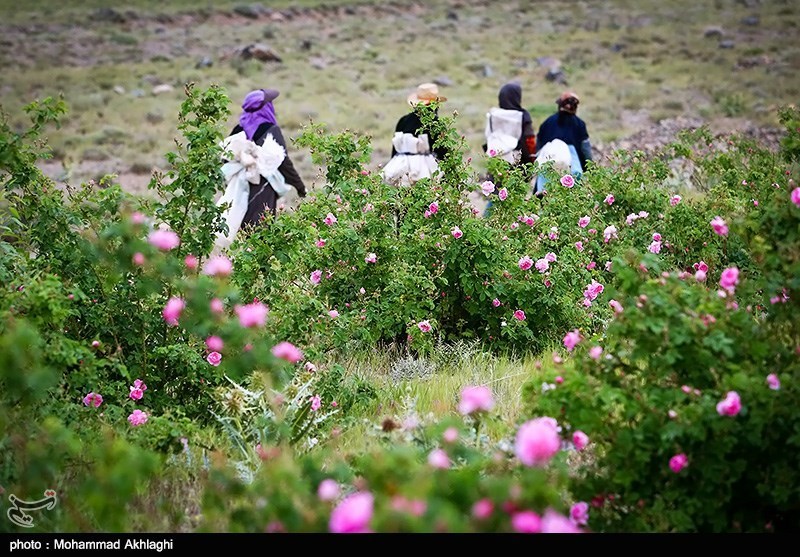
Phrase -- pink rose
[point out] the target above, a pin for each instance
(371, 258)
(328, 490)
(654, 247)
(214, 358)
(579, 513)
(164, 240)
(609, 199)
(730, 405)
(701, 266)
(352, 515)
(95, 343)
(656, 237)
(609, 233)
(527, 522)
(252, 315)
(424, 326)
(502, 194)
(551, 257)
(433, 208)
(217, 306)
(729, 279)
(311, 368)
(475, 399)
(450, 435)
(496, 302)
(214, 343)
(439, 459)
(137, 218)
(567, 181)
(593, 290)
(571, 339)
(333, 314)
(674, 200)
(519, 315)
(190, 261)
(218, 266)
(172, 310)
(580, 440)
(542, 265)
(287, 351)
(487, 188)
(525, 263)
(556, 523)
(719, 226)
(482, 509)
(795, 196)
(138, 259)
(595, 352)
(330, 219)
(700, 276)
(316, 403)
(456, 232)
(678, 462)
(137, 418)
(320, 243)
(772, 380)
(537, 441)
(93, 399)
(583, 222)
(579, 246)
(316, 277)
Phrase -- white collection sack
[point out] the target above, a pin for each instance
(503, 131)
(413, 161)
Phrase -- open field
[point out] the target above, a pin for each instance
(351, 65)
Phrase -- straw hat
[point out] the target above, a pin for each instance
(426, 93)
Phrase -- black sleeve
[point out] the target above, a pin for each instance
(397, 128)
(287, 168)
(583, 135)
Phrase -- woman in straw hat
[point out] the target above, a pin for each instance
(413, 154)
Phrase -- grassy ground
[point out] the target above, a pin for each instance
(633, 63)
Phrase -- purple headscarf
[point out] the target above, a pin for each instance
(256, 110)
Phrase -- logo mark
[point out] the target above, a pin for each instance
(17, 514)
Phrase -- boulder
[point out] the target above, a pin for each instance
(162, 88)
(261, 52)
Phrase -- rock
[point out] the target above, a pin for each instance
(306, 44)
(151, 79)
(164, 19)
(250, 12)
(137, 93)
(483, 69)
(277, 16)
(452, 15)
(318, 62)
(727, 44)
(556, 76)
(93, 154)
(119, 89)
(751, 20)
(109, 15)
(548, 62)
(443, 81)
(154, 117)
(260, 52)
(163, 88)
(268, 33)
(713, 31)
(618, 47)
(204, 62)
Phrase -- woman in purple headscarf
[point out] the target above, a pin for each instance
(257, 121)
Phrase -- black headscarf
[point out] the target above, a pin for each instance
(510, 98)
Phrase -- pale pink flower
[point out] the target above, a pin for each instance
(559, 380)
(352, 515)
(591, 265)
(525, 263)
(678, 462)
(610, 199)
(519, 315)
(172, 310)
(320, 243)
(367, 208)
(137, 218)
(537, 441)
(190, 261)
(217, 306)
(542, 265)
(456, 232)
(609, 233)
(218, 266)
(487, 188)
(579, 246)
(93, 399)
(333, 314)
(595, 352)
(556, 523)
(579, 513)
(316, 403)
(328, 490)
(672, 414)
(95, 343)
(164, 240)
(608, 266)
(311, 368)
(527, 522)
(137, 418)
(580, 440)
(654, 247)
(719, 226)
(496, 302)
(214, 358)
(795, 196)
(450, 435)
(330, 219)
(482, 509)
(729, 279)
(593, 290)
(252, 315)
(371, 258)
(138, 259)
(551, 257)
(700, 276)
(583, 222)
(773, 382)
(686, 389)
(571, 339)
(475, 399)
(531, 220)
(730, 405)
(362, 291)
(287, 351)
(433, 208)
(316, 277)
(656, 237)
(439, 459)
(630, 219)
(674, 200)
(567, 181)
(701, 266)
(502, 194)
(643, 214)
(424, 326)
(215, 343)
(137, 390)
(553, 235)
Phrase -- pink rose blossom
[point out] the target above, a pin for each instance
(580, 440)
(609, 233)
(616, 306)
(729, 279)
(450, 435)
(487, 188)
(579, 246)
(607, 266)
(311, 368)
(519, 315)
(367, 208)
(496, 302)
(482, 509)
(316, 277)
(371, 258)
(551, 257)
(217, 306)
(583, 222)
(424, 326)
(542, 265)
(137, 390)
(559, 380)
(654, 247)
(730, 405)
(172, 310)
(137, 218)
(93, 399)
(674, 200)
(439, 459)
(320, 243)
(190, 261)
(591, 265)
(795, 196)
(556, 523)
(643, 214)
(525, 263)
(352, 515)
(773, 382)
(701, 266)
(287, 351)
(333, 314)
(330, 219)
(164, 240)
(218, 266)
(595, 352)
(678, 462)
(138, 259)
(593, 290)
(527, 522)
(214, 358)
(95, 343)
(610, 199)
(502, 194)
(700, 276)
(719, 226)
(630, 219)
(656, 237)
(672, 414)
(328, 490)
(456, 232)
(137, 418)
(579, 513)
(433, 208)
(215, 343)
(252, 315)
(316, 403)
(571, 339)
(567, 181)
(537, 441)
(475, 399)
(553, 235)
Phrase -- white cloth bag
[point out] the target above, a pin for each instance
(503, 130)
(413, 161)
(558, 152)
(248, 164)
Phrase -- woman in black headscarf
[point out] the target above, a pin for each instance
(510, 98)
